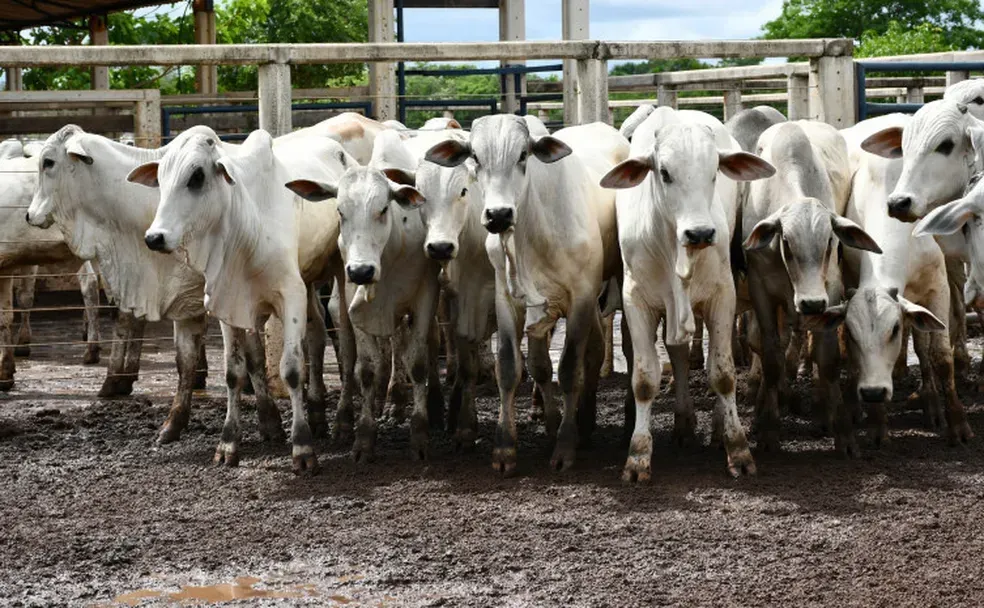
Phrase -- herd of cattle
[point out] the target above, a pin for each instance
(809, 242)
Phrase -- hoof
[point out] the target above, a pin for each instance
(170, 433)
(846, 445)
(551, 421)
(317, 420)
(768, 440)
(504, 461)
(960, 434)
(685, 430)
(879, 436)
(563, 456)
(23, 350)
(364, 448)
(109, 389)
(272, 432)
(200, 382)
(91, 356)
(464, 439)
(637, 469)
(226, 454)
(305, 463)
(740, 462)
(6, 385)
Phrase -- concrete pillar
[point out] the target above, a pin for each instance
(206, 76)
(14, 79)
(798, 97)
(382, 76)
(833, 95)
(99, 35)
(666, 96)
(592, 91)
(914, 95)
(732, 102)
(147, 120)
(575, 26)
(953, 78)
(274, 94)
(512, 26)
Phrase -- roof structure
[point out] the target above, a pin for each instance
(16, 15)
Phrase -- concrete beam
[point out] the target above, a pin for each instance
(99, 35)
(575, 25)
(779, 70)
(253, 54)
(206, 75)
(512, 27)
(382, 75)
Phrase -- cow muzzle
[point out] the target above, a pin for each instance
(873, 394)
(156, 241)
(902, 207)
(499, 219)
(698, 238)
(43, 222)
(441, 251)
(811, 306)
(361, 274)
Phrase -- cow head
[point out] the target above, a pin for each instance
(684, 163)
(500, 147)
(62, 155)
(873, 318)
(970, 93)
(966, 214)
(806, 233)
(196, 179)
(365, 196)
(939, 149)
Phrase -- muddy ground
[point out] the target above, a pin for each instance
(93, 513)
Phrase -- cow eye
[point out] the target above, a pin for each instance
(197, 179)
(895, 331)
(945, 148)
(47, 163)
(475, 158)
(665, 176)
(383, 212)
(464, 191)
(523, 155)
(341, 217)
(978, 100)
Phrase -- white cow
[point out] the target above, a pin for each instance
(941, 150)
(390, 278)
(22, 248)
(905, 284)
(675, 221)
(82, 188)
(553, 243)
(223, 210)
(791, 225)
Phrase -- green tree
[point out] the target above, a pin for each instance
(652, 66)
(956, 19)
(899, 40)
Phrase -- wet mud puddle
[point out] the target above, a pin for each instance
(243, 588)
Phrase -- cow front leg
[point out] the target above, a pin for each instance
(767, 403)
(508, 371)
(646, 375)
(122, 330)
(293, 316)
(587, 405)
(89, 286)
(268, 416)
(7, 365)
(345, 353)
(830, 403)
(927, 395)
(466, 420)
(233, 343)
(958, 430)
(720, 324)
(684, 418)
(540, 366)
(366, 370)
(397, 393)
(608, 338)
(25, 302)
(416, 360)
(583, 322)
(696, 347)
(956, 277)
(131, 359)
(316, 339)
(188, 337)
(435, 398)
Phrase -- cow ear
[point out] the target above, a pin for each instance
(945, 219)
(628, 173)
(224, 168)
(408, 197)
(852, 235)
(744, 166)
(976, 135)
(400, 176)
(920, 318)
(312, 190)
(549, 149)
(893, 292)
(886, 143)
(763, 233)
(76, 151)
(828, 320)
(448, 153)
(145, 175)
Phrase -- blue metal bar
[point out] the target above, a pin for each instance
(862, 108)
(168, 111)
(432, 103)
(866, 109)
(401, 71)
(511, 69)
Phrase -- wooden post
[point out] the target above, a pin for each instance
(99, 35)
(274, 94)
(206, 76)
(914, 95)
(147, 120)
(732, 102)
(953, 78)
(666, 96)
(798, 97)
(382, 76)
(833, 98)
(592, 91)
(512, 26)
(575, 26)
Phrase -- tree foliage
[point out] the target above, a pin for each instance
(956, 19)
(899, 40)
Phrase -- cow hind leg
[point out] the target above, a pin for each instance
(188, 336)
(608, 337)
(293, 317)
(268, 416)
(684, 418)
(956, 276)
(696, 346)
(584, 321)
(927, 396)
(131, 359)
(316, 339)
(123, 328)
(7, 366)
(435, 398)
(629, 403)
(419, 346)
(25, 302)
(89, 286)
(829, 401)
(345, 354)
(587, 407)
(958, 430)
(233, 344)
(541, 369)
(466, 420)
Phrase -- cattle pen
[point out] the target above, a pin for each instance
(94, 513)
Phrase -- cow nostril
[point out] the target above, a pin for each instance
(873, 395)
(27, 217)
(699, 236)
(440, 251)
(900, 205)
(361, 274)
(498, 220)
(812, 307)
(155, 241)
